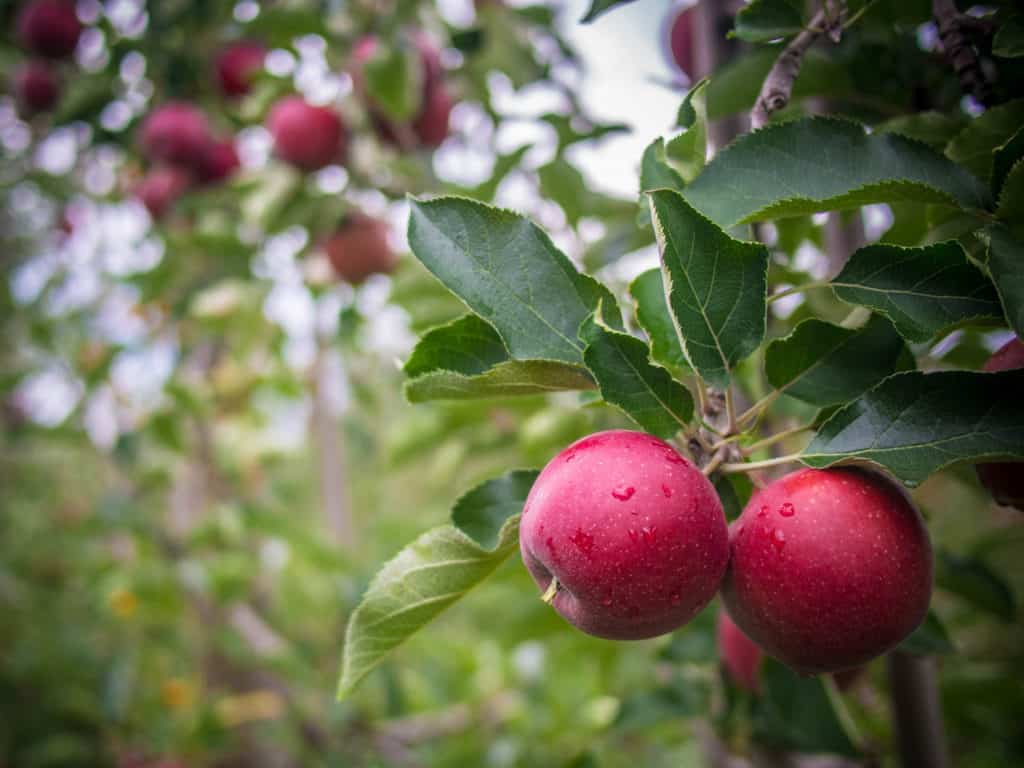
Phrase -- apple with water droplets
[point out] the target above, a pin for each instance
(626, 537)
(1005, 479)
(829, 569)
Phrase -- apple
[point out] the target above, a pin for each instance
(360, 248)
(829, 569)
(625, 536)
(220, 160)
(306, 136)
(1005, 479)
(677, 36)
(236, 65)
(431, 125)
(176, 133)
(161, 187)
(49, 28)
(36, 87)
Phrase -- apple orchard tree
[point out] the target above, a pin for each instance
(772, 405)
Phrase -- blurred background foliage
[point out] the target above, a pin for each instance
(206, 451)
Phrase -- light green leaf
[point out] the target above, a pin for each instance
(508, 379)
(655, 172)
(431, 573)
(507, 270)
(929, 639)
(822, 164)
(974, 145)
(392, 78)
(599, 7)
(762, 20)
(652, 313)
(922, 290)
(627, 379)
(1006, 265)
(823, 364)
(914, 424)
(716, 287)
(687, 152)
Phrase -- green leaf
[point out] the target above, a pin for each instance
(1004, 158)
(572, 130)
(507, 270)
(716, 287)
(935, 129)
(762, 20)
(929, 639)
(508, 379)
(482, 513)
(681, 697)
(627, 379)
(1008, 42)
(1011, 199)
(799, 713)
(824, 364)
(652, 313)
(655, 172)
(1006, 265)
(431, 573)
(823, 164)
(467, 345)
(687, 152)
(974, 145)
(599, 7)
(914, 424)
(971, 579)
(503, 166)
(734, 491)
(393, 82)
(922, 290)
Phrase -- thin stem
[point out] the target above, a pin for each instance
(715, 462)
(730, 412)
(757, 407)
(798, 289)
(551, 591)
(776, 438)
(725, 441)
(750, 466)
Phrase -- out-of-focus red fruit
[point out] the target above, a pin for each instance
(237, 64)
(219, 162)
(161, 187)
(739, 654)
(49, 28)
(829, 569)
(431, 126)
(1005, 479)
(36, 87)
(632, 531)
(360, 248)
(306, 136)
(677, 40)
(176, 133)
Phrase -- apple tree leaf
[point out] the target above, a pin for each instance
(971, 579)
(652, 313)
(1006, 265)
(762, 20)
(975, 145)
(929, 639)
(600, 7)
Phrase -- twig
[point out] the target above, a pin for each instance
(776, 438)
(749, 466)
(916, 709)
(958, 50)
(778, 85)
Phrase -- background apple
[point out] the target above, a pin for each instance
(220, 161)
(1005, 479)
(176, 133)
(236, 65)
(306, 136)
(633, 532)
(360, 248)
(36, 87)
(161, 187)
(49, 28)
(829, 569)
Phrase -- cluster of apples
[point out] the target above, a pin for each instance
(49, 30)
(823, 570)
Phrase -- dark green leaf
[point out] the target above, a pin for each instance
(430, 574)
(655, 172)
(507, 270)
(599, 7)
(823, 364)
(680, 698)
(929, 639)
(922, 290)
(971, 579)
(914, 424)
(467, 345)
(821, 164)
(762, 20)
(734, 491)
(798, 713)
(974, 145)
(627, 379)
(1006, 265)
(716, 287)
(1011, 199)
(1008, 42)
(648, 291)
(935, 129)
(1004, 158)
(483, 512)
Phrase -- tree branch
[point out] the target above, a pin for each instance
(917, 711)
(953, 27)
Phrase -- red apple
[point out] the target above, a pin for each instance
(1005, 479)
(431, 125)
(236, 65)
(632, 531)
(677, 37)
(49, 28)
(829, 569)
(36, 87)
(176, 133)
(161, 187)
(220, 160)
(308, 137)
(360, 248)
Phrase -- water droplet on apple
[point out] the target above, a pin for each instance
(607, 601)
(778, 539)
(667, 491)
(570, 456)
(676, 598)
(763, 511)
(648, 532)
(623, 492)
(633, 535)
(584, 542)
(787, 510)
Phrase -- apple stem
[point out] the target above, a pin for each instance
(749, 466)
(776, 438)
(757, 408)
(551, 591)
